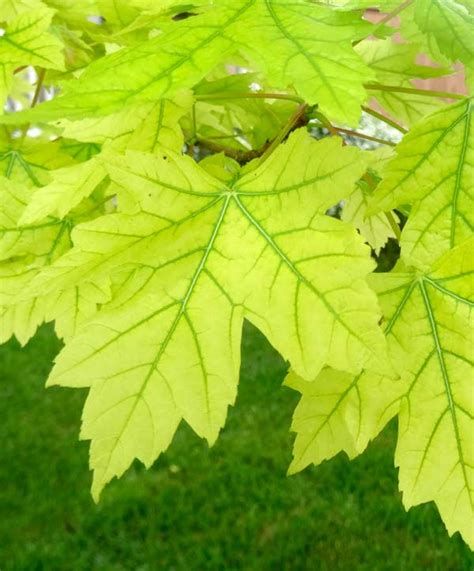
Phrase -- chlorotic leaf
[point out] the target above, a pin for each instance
(27, 41)
(324, 68)
(73, 307)
(433, 170)
(431, 340)
(448, 23)
(170, 169)
(339, 412)
(143, 127)
(68, 187)
(18, 318)
(26, 249)
(376, 229)
(429, 333)
(244, 249)
(395, 64)
(10, 9)
(20, 240)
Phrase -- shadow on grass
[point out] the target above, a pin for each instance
(230, 507)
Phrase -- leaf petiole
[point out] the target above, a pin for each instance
(413, 91)
(249, 95)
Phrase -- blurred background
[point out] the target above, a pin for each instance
(231, 507)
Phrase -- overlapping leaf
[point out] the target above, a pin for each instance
(26, 248)
(39, 243)
(434, 170)
(429, 331)
(448, 24)
(206, 254)
(395, 64)
(375, 228)
(10, 9)
(339, 412)
(26, 41)
(145, 128)
(301, 44)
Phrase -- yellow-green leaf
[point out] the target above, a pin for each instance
(433, 170)
(207, 254)
(302, 45)
(429, 323)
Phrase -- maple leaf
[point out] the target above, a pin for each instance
(448, 24)
(338, 412)
(26, 41)
(148, 128)
(443, 212)
(301, 44)
(395, 64)
(375, 228)
(10, 9)
(429, 327)
(26, 248)
(209, 254)
(35, 244)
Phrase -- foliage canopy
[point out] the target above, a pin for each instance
(167, 171)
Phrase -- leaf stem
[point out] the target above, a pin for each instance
(364, 136)
(393, 224)
(249, 95)
(337, 130)
(293, 122)
(413, 91)
(385, 119)
(39, 86)
(393, 14)
(325, 122)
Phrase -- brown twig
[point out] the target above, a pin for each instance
(241, 156)
(298, 119)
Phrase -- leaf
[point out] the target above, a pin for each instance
(25, 250)
(394, 64)
(75, 13)
(15, 240)
(433, 170)
(147, 128)
(339, 412)
(376, 229)
(429, 333)
(69, 309)
(40, 242)
(69, 186)
(143, 127)
(18, 318)
(449, 24)
(207, 255)
(301, 44)
(10, 9)
(73, 307)
(30, 162)
(27, 42)
(431, 342)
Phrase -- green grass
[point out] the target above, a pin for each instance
(230, 507)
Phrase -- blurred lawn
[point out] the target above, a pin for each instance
(228, 508)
